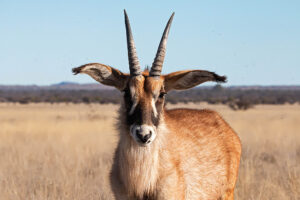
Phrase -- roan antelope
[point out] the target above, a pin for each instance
(167, 154)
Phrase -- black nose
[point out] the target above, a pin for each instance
(143, 138)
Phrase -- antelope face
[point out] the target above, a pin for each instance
(144, 100)
(144, 91)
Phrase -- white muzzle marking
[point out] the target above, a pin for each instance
(138, 131)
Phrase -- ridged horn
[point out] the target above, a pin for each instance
(161, 51)
(134, 65)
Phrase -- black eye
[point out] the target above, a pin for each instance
(126, 91)
(162, 95)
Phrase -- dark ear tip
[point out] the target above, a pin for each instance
(222, 79)
(76, 70)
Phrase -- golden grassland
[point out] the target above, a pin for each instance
(64, 151)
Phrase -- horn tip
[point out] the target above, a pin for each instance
(172, 15)
(171, 18)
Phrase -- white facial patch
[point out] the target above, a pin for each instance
(133, 108)
(154, 107)
(134, 99)
(143, 130)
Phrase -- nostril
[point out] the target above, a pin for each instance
(146, 137)
(137, 132)
(142, 137)
(138, 135)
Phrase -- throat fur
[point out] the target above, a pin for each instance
(139, 168)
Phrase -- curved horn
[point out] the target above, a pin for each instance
(134, 64)
(161, 51)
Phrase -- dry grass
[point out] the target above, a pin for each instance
(65, 151)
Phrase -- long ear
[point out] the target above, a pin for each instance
(103, 74)
(190, 78)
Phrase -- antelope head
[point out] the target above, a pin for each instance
(144, 92)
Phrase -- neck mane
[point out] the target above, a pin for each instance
(139, 165)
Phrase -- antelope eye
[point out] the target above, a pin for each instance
(162, 95)
(125, 91)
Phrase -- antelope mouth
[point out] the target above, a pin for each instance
(143, 135)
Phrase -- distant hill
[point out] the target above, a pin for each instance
(95, 86)
(57, 86)
(237, 97)
(272, 87)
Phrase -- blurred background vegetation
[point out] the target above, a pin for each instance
(237, 98)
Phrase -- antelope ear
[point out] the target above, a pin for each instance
(182, 80)
(103, 74)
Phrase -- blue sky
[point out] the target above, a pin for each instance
(253, 43)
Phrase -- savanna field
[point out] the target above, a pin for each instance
(64, 151)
